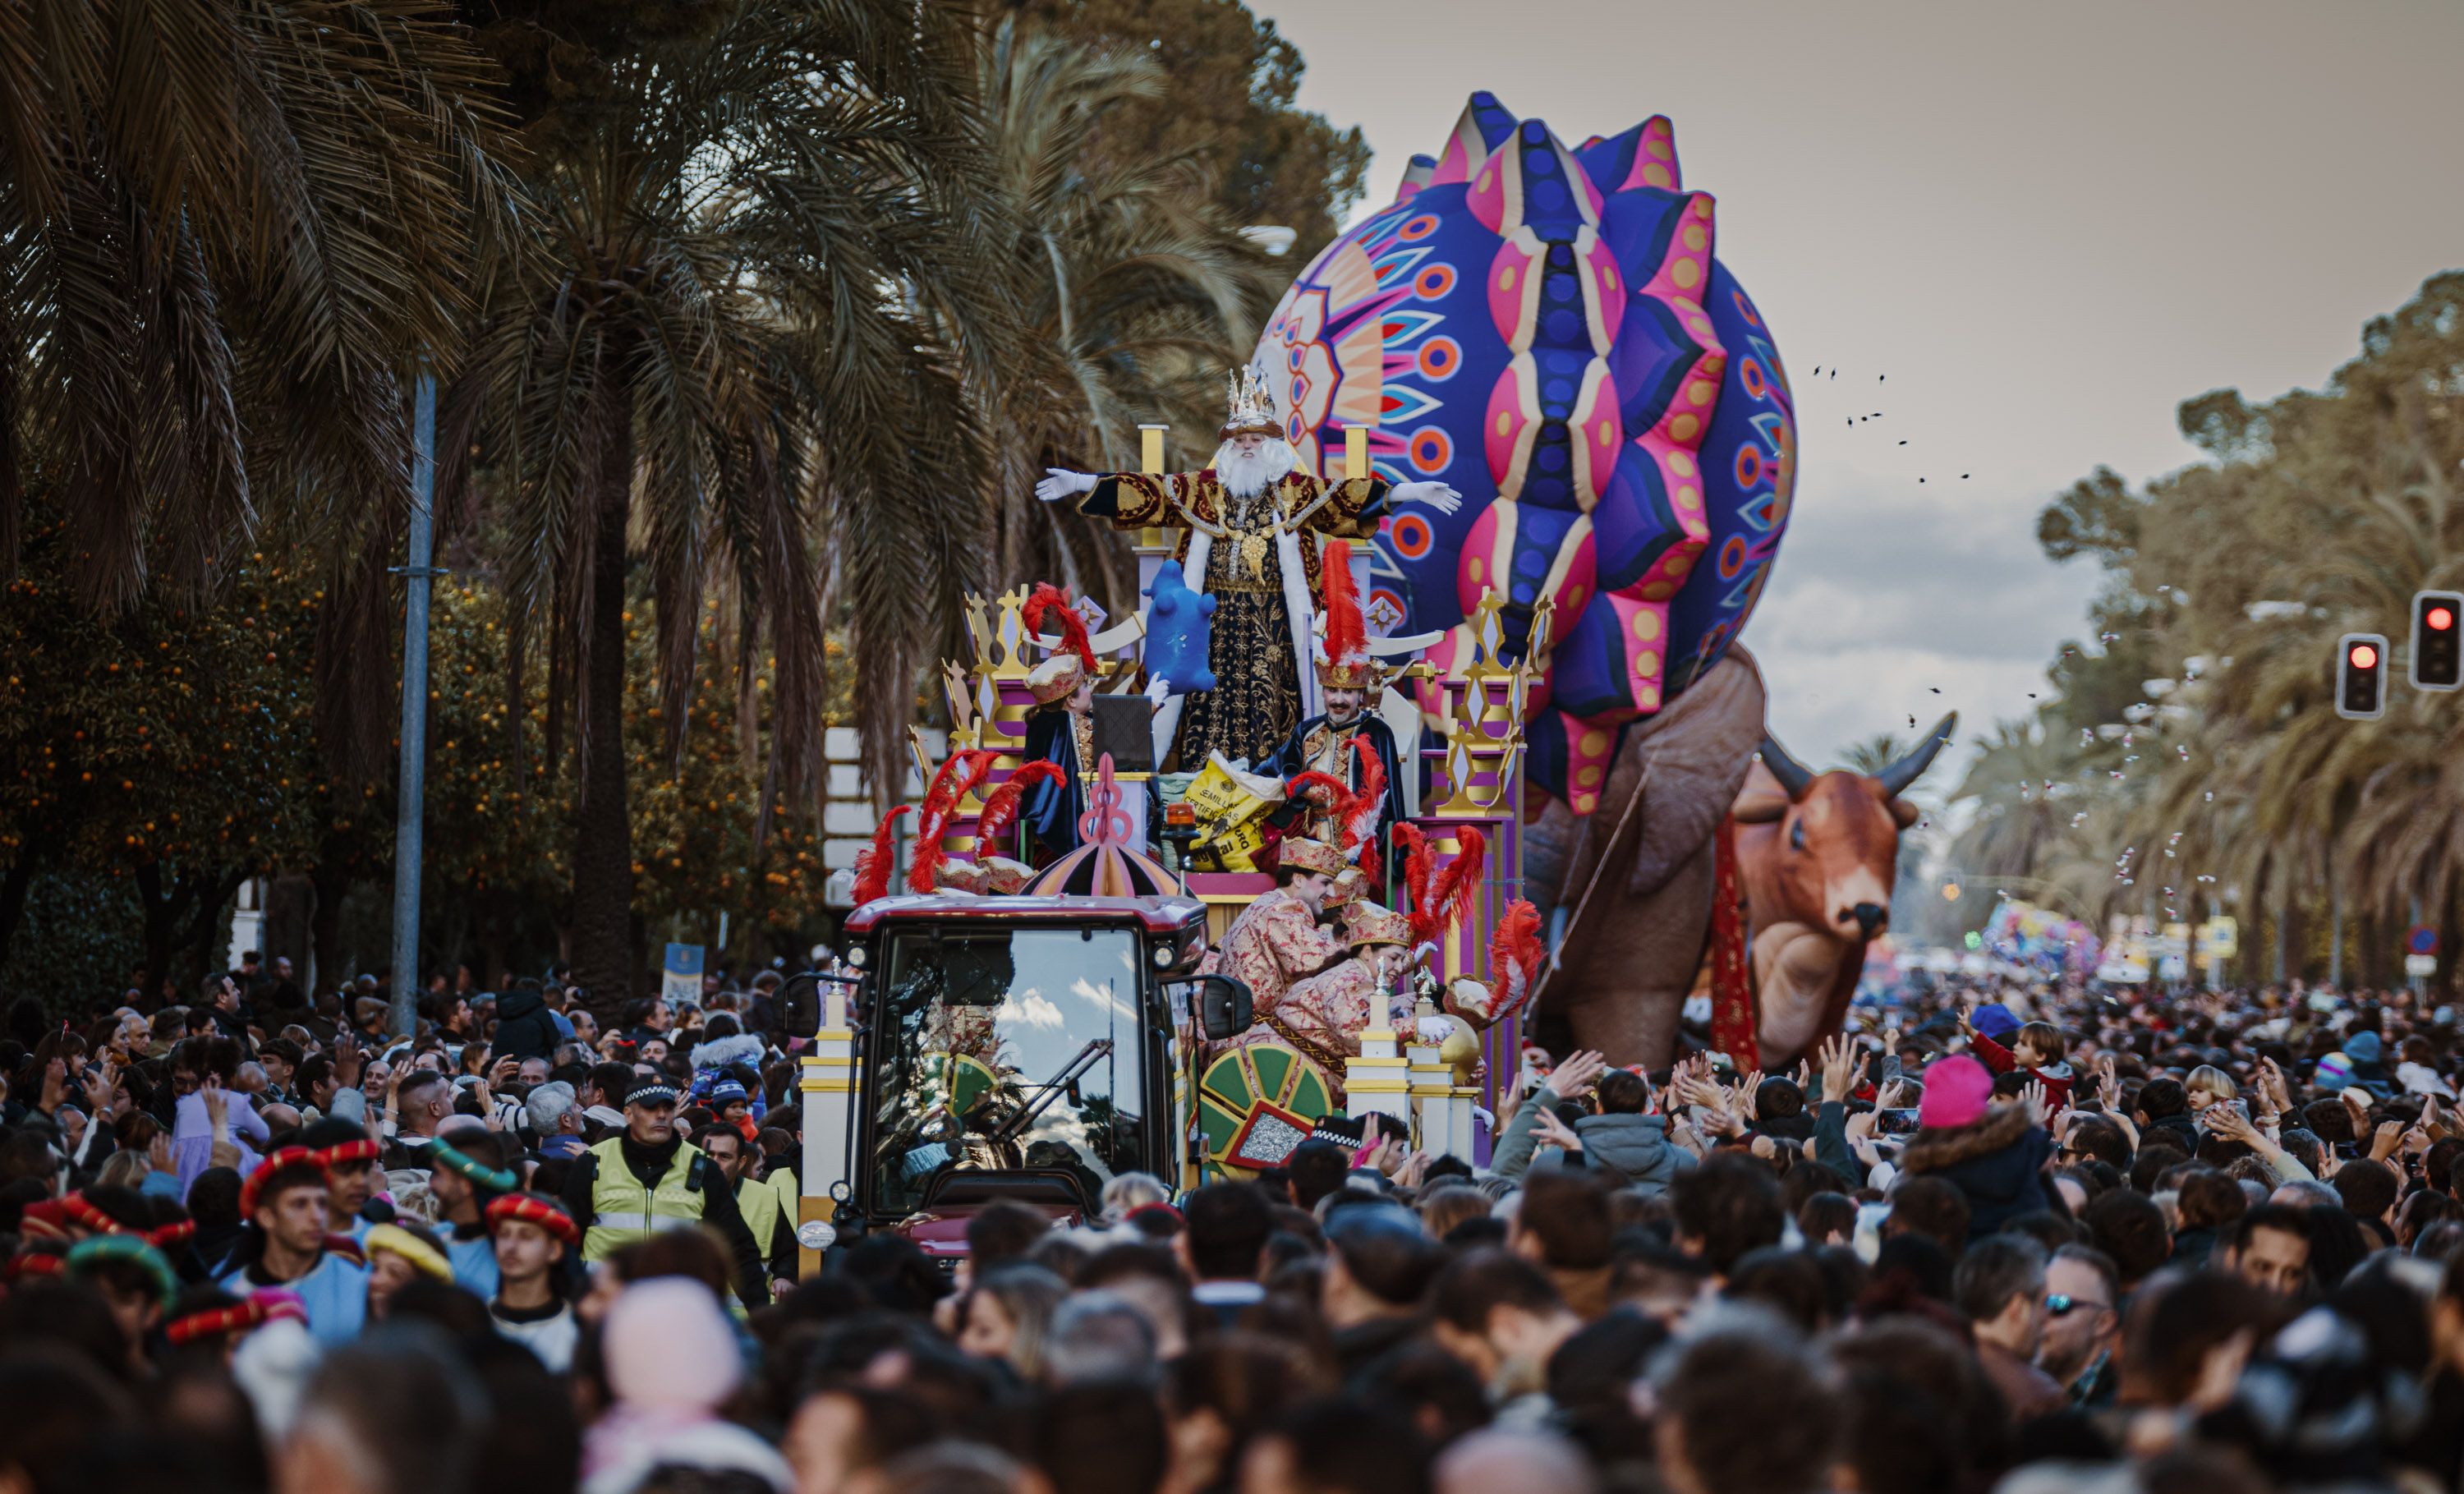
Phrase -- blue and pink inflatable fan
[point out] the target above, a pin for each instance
(1550, 331)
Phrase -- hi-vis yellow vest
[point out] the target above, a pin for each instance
(759, 1202)
(624, 1210)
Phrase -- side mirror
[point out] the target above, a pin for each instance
(1223, 1005)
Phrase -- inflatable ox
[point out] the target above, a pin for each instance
(1628, 891)
(1817, 855)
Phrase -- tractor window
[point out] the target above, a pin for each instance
(1016, 1048)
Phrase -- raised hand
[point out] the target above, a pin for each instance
(1431, 494)
(99, 1083)
(2271, 1079)
(1841, 1070)
(1059, 482)
(2032, 1095)
(1574, 1077)
(1159, 691)
(2389, 1136)
(1554, 1132)
(1749, 1091)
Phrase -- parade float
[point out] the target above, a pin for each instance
(1530, 451)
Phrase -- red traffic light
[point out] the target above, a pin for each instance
(2363, 656)
(2440, 619)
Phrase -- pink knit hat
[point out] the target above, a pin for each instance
(1956, 1091)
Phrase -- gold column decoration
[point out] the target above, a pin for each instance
(1485, 700)
(1356, 451)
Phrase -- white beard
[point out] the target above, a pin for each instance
(1246, 475)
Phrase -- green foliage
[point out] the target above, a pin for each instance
(689, 325)
(2197, 761)
(1228, 105)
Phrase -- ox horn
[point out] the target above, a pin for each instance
(1791, 774)
(1896, 778)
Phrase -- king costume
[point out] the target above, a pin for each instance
(1321, 744)
(1323, 1014)
(1259, 557)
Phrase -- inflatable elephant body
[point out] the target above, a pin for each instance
(1627, 890)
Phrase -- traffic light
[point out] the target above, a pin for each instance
(2360, 676)
(2438, 640)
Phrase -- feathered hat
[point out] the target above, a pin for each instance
(1253, 408)
(874, 863)
(1058, 675)
(1439, 896)
(959, 775)
(1515, 959)
(1343, 658)
(1002, 875)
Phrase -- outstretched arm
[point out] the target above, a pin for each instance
(1438, 496)
(1059, 482)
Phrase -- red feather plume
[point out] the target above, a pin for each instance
(957, 776)
(1416, 879)
(1322, 789)
(1361, 808)
(1440, 906)
(1049, 599)
(1000, 809)
(1347, 636)
(875, 862)
(1514, 957)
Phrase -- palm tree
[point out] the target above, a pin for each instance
(737, 348)
(1133, 291)
(226, 231)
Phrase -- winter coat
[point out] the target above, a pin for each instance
(1997, 1162)
(524, 1027)
(721, 1053)
(1636, 1148)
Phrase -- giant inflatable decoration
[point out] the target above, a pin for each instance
(1550, 331)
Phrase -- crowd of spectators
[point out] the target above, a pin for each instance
(2030, 1238)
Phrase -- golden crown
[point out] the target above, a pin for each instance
(1253, 408)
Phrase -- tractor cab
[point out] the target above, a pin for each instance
(1020, 1049)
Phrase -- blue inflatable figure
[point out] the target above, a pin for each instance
(1177, 632)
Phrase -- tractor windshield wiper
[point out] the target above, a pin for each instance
(1071, 1072)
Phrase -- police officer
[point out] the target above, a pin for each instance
(647, 1179)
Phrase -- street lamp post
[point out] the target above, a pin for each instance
(410, 803)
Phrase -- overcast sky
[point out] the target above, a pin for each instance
(2046, 223)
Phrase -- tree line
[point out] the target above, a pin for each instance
(2189, 761)
(748, 321)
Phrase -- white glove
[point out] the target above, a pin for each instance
(1436, 494)
(1159, 691)
(1059, 482)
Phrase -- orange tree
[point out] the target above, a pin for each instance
(502, 798)
(157, 757)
